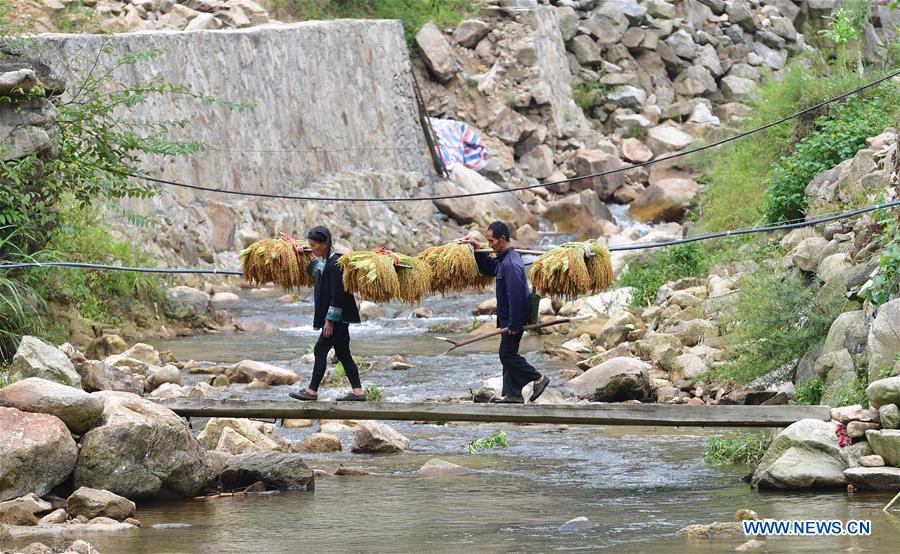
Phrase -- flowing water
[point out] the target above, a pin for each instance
(638, 485)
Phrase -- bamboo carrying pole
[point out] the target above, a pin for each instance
(532, 327)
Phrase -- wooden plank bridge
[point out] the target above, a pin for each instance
(673, 415)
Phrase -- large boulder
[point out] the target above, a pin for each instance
(665, 200)
(161, 375)
(93, 503)
(140, 449)
(806, 455)
(23, 511)
(886, 443)
(884, 339)
(667, 138)
(616, 379)
(481, 209)
(76, 408)
(97, 376)
(591, 162)
(36, 358)
(874, 478)
(884, 391)
(211, 435)
(183, 302)
(274, 469)
(319, 442)
(583, 213)
(104, 346)
(808, 253)
(848, 331)
(247, 371)
(377, 438)
(469, 32)
(436, 52)
(37, 453)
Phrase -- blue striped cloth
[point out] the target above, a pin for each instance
(458, 144)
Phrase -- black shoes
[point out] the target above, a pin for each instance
(509, 400)
(539, 388)
(303, 395)
(350, 397)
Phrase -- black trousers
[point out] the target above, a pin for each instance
(340, 341)
(516, 371)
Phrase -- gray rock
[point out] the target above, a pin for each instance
(607, 28)
(808, 253)
(586, 50)
(660, 9)
(874, 478)
(872, 460)
(837, 371)
(36, 358)
(97, 376)
(538, 162)
(22, 511)
(247, 371)
(102, 347)
(590, 162)
(436, 52)
(319, 442)
(889, 415)
(738, 89)
(848, 331)
(24, 79)
(76, 408)
(613, 380)
(139, 450)
(576, 525)
(883, 392)
(183, 302)
(93, 503)
(664, 200)
(749, 72)
(886, 443)
(703, 115)
(695, 81)
(440, 468)
(805, 455)
(568, 22)
(739, 12)
(36, 453)
(377, 438)
(628, 97)
(735, 33)
(667, 138)
(783, 27)
(682, 44)
(161, 375)
(274, 469)
(884, 340)
(775, 59)
(707, 57)
(482, 209)
(469, 32)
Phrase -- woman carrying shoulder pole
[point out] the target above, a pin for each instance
(335, 309)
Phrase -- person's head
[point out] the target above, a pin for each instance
(498, 236)
(319, 238)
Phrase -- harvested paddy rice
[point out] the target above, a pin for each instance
(371, 275)
(599, 267)
(453, 267)
(415, 279)
(276, 261)
(561, 271)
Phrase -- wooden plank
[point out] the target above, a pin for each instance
(585, 414)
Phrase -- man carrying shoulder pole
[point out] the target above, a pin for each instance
(513, 307)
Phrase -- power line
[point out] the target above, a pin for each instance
(525, 187)
(730, 233)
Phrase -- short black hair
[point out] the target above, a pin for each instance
(499, 229)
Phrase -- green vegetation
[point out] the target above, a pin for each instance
(588, 95)
(853, 391)
(886, 283)
(413, 13)
(374, 394)
(497, 439)
(808, 392)
(649, 273)
(736, 448)
(776, 320)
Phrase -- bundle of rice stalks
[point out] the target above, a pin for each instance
(371, 275)
(415, 279)
(276, 261)
(562, 271)
(453, 267)
(599, 267)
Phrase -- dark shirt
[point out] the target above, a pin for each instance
(513, 298)
(329, 297)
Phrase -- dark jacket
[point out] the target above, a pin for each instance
(330, 294)
(513, 297)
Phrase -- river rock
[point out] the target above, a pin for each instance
(481, 209)
(139, 450)
(76, 408)
(872, 460)
(614, 380)
(104, 346)
(211, 435)
(846, 414)
(665, 200)
(436, 52)
(36, 358)
(97, 376)
(667, 138)
(589, 162)
(183, 302)
(884, 391)
(274, 469)
(440, 468)
(224, 299)
(319, 442)
(470, 32)
(576, 525)
(247, 371)
(884, 341)
(231, 442)
(36, 453)
(805, 455)
(889, 415)
(23, 511)
(857, 429)
(143, 353)
(874, 478)
(370, 310)
(633, 150)
(886, 443)
(56, 516)
(161, 375)
(93, 503)
(377, 438)
(723, 530)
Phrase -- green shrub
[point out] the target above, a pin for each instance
(374, 394)
(808, 392)
(886, 283)
(647, 274)
(588, 95)
(838, 136)
(497, 439)
(851, 392)
(736, 448)
(776, 319)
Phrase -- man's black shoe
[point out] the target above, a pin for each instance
(510, 400)
(302, 395)
(539, 388)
